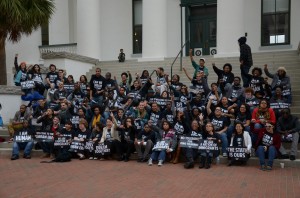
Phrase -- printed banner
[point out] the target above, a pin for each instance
(76, 146)
(161, 145)
(208, 145)
(22, 136)
(237, 153)
(101, 149)
(61, 142)
(29, 84)
(44, 136)
(189, 142)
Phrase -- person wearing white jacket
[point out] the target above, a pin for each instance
(240, 138)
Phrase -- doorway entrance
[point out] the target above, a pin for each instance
(203, 29)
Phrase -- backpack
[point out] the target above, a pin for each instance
(63, 156)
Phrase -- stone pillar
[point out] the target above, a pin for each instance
(154, 30)
(88, 28)
(230, 26)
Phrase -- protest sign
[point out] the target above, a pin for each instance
(189, 142)
(208, 145)
(161, 145)
(61, 142)
(237, 153)
(77, 145)
(101, 149)
(44, 136)
(22, 136)
(29, 84)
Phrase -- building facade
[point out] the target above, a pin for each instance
(150, 30)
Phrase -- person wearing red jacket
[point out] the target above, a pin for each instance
(267, 145)
(260, 116)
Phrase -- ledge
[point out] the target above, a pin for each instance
(71, 56)
(276, 47)
(11, 90)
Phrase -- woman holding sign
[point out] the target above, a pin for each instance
(241, 140)
(81, 136)
(166, 143)
(110, 136)
(207, 153)
(191, 144)
(267, 145)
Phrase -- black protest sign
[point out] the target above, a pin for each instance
(22, 136)
(189, 142)
(89, 146)
(77, 145)
(161, 145)
(101, 149)
(237, 153)
(29, 84)
(208, 145)
(44, 136)
(60, 142)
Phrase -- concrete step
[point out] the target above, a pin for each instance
(253, 161)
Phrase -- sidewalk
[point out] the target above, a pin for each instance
(89, 178)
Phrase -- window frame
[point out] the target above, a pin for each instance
(276, 14)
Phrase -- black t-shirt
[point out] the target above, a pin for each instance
(218, 123)
(52, 76)
(238, 140)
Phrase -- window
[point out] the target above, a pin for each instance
(275, 22)
(45, 34)
(137, 37)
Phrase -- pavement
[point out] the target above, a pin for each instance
(94, 178)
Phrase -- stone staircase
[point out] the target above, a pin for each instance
(289, 59)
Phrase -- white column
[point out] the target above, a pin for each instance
(230, 26)
(88, 28)
(154, 30)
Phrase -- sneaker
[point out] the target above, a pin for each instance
(263, 167)
(160, 162)
(224, 154)
(150, 162)
(95, 158)
(292, 157)
(269, 168)
(91, 158)
(14, 157)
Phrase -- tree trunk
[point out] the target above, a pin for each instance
(3, 74)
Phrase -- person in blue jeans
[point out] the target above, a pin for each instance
(166, 134)
(220, 123)
(23, 140)
(267, 146)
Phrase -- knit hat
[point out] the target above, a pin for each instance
(242, 40)
(281, 68)
(202, 59)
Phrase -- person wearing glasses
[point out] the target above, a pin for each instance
(220, 123)
(289, 126)
(267, 145)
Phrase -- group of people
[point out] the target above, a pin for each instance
(160, 119)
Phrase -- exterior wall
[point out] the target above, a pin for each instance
(116, 28)
(230, 26)
(174, 28)
(59, 24)
(295, 23)
(10, 104)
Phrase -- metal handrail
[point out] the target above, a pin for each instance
(177, 57)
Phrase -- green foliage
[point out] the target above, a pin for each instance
(19, 17)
